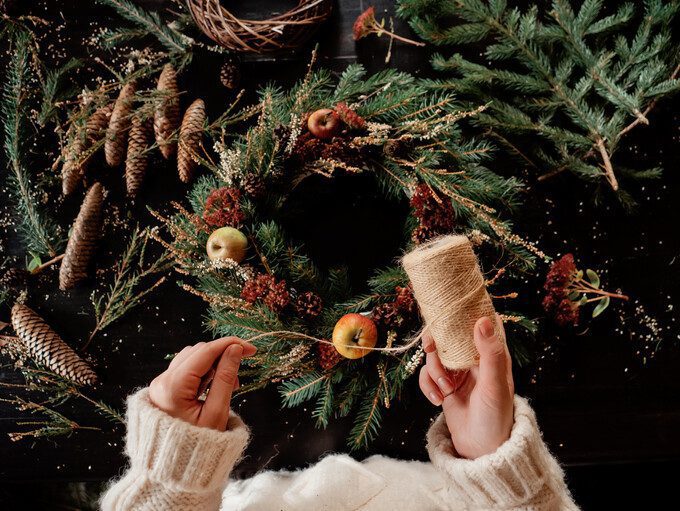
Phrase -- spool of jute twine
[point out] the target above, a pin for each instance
(451, 293)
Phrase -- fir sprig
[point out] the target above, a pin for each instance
(38, 231)
(151, 23)
(579, 80)
(130, 272)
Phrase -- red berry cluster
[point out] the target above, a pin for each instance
(264, 287)
(328, 356)
(435, 215)
(222, 208)
(349, 116)
(556, 301)
(398, 314)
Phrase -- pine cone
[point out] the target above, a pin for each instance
(137, 158)
(328, 356)
(166, 114)
(308, 305)
(190, 136)
(82, 242)
(230, 73)
(253, 185)
(13, 282)
(48, 349)
(97, 123)
(74, 162)
(116, 134)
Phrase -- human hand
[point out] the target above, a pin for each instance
(477, 403)
(176, 390)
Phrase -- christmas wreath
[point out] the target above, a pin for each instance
(262, 285)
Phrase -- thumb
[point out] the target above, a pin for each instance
(493, 363)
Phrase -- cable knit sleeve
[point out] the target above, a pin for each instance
(520, 475)
(173, 464)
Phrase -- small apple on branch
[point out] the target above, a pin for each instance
(324, 123)
(227, 243)
(354, 335)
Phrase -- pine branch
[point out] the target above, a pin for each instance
(38, 231)
(582, 77)
(151, 22)
(367, 421)
(124, 293)
(54, 92)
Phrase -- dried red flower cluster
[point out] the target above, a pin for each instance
(435, 215)
(308, 305)
(556, 301)
(222, 208)
(264, 287)
(328, 356)
(398, 314)
(309, 148)
(364, 24)
(349, 116)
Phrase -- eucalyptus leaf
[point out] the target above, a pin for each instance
(601, 306)
(593, 278)
(34, 262)
(573, 296)
(579, 274)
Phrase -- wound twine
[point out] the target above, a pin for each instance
(451, 293)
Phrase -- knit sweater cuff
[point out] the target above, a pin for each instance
(517, 474)
(179, 455)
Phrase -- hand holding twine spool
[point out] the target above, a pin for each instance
(450, 290)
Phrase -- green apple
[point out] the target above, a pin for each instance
(227, 243)
(352, 333)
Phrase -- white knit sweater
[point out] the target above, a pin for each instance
(177, 466)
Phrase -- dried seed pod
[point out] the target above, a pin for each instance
(83, 240)
(48, 349)
(166, 114)
(137, 155)
(119, 123)
(190, 136)
(75, 161)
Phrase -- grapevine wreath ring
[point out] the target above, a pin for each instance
(283, 32)
(260, 285)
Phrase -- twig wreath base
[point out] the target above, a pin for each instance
(286, 31)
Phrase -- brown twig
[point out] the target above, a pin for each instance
(47, 264)
(607, 164)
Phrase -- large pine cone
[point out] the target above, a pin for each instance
(190, 136)
(83, 240)
(97, 123)
(48, 349)
(137, 156)
(166, 114)
(75, 162)
(116, 134)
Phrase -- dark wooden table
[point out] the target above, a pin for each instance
(598, 399)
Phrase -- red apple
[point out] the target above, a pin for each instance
(324, 123)
(227, 243)
(353, 332)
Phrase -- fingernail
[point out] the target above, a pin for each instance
(445, 385)
(486, 328)
(436, 400)
(235, 350)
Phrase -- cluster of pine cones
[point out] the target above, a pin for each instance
(128, 137)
